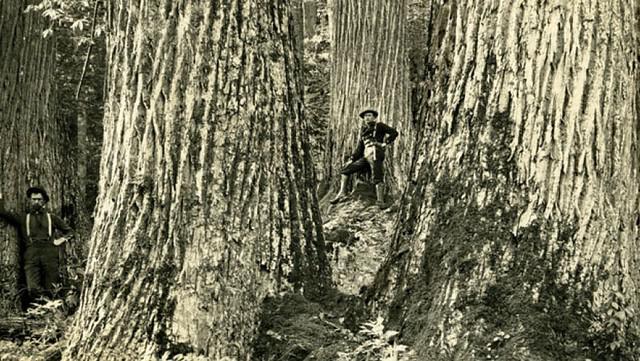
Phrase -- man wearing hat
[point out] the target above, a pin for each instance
(369, 154)
(36, 231)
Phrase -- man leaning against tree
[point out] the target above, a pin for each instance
(369, 155)
(36, 228)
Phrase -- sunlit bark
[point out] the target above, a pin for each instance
(522, 221)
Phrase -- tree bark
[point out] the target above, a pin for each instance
(310, 15)
(369, 70)
(207, 201)
(518, 240)
(30, 141)
(297, 11)
(317, 68)
(83, 147)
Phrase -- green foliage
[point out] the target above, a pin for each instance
(616, 331)
(49, 321)
(292, 328)
(54, 317)
(295, 329)
(72, 14)
(22, 351)
(80, 60)
(72, 51)
(377, 344)
(72, 278)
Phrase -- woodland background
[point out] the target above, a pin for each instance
(194, 146)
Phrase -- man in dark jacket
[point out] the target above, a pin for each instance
(369, 154)
(36, 231)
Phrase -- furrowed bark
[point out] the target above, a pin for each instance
(523, 218)
(207, 201)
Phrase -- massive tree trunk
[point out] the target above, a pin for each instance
(297, 11)
(207, 200)
(310, 15)
(317, 66)
(519, 240)
(30, 145)
(369, 70)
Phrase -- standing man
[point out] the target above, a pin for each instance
(369, 154)
(36, 232)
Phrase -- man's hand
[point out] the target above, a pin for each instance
(61, 240)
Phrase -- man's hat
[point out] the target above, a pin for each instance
(39, 190)
(369, 110)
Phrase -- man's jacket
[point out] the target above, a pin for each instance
(374, 133)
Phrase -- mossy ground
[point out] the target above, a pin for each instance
(357, 235)
(295, 329)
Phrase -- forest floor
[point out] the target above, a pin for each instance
(338, 327)
(37, 335)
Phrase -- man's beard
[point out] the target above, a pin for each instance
(36, 207)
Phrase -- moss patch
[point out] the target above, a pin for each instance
(526, 314)
(545, 318)
(293, 328)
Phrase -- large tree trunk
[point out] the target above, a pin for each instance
(207, 200)
(317, 67)
(369, 70)
(297, 11)
(519, 240)
(30, 141)
(310, 15)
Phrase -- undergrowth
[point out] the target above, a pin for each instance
(376, 344)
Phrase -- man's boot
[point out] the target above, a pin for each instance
(342, 194)
(380, 196)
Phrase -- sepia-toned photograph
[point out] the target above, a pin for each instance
(320, 180)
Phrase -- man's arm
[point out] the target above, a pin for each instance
(392, 134)
(10, 217)
(359, 152)
(61, 225)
